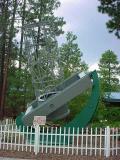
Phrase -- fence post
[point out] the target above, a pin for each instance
(107, 141)
(37, 137)
(0, 139)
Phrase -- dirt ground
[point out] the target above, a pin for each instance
(28, 155)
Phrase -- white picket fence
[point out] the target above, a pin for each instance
(7, 121)
(88, 141)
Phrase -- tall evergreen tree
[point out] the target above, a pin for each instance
(22, 16)
(112, 8)
(71, 56)
(109, 70)
(43, 27)
(7, 21)
(7, 16)
(42, 11)
(4, 16)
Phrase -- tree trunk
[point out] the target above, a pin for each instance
(22, 33)
(7, 60)
(3, 54)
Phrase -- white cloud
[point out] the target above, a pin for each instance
(94, 67)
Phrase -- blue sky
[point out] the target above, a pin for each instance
(84, 20)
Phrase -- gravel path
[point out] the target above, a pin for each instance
(6, 158)
(14, 155)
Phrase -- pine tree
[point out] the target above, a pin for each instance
(71, 56)
(4, 18)
(112, 8)
(7, 17)
(109, 70)
(41, 30)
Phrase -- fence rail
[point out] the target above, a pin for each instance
(88, 141)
